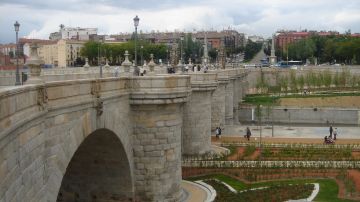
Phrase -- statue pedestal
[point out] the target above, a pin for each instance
(34, 64)
(273, 60)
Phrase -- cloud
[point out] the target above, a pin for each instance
(38, 18)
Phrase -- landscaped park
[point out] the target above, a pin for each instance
(269, 168)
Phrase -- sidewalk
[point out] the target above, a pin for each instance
(196, 193)
(293, 134)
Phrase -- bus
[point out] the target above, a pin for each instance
(290, 63)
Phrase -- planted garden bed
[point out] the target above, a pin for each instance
(273, 193)
(250, 152)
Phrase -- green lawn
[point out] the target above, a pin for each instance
(328, 187)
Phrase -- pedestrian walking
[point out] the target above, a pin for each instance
(217, 132)
(248, 133)
(331, 131)
(335, 133)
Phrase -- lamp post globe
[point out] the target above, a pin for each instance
(17, 27)
(181, 49)
(136, 24)
(136, 21)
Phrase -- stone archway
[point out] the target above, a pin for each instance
(98, 171)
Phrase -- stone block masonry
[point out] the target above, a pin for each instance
(69, 140)
(196, 136)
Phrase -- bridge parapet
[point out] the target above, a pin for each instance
(162, 89)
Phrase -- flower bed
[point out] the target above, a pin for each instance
(271, 164)
(273, 193)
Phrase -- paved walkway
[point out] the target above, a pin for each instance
(258, 57)
(196, 194)
(292, 134)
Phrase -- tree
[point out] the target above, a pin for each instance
(327, 78)
(93, 50)
(344, 77)
(301, 81)
(284, 83)
(336, 80)
(267, 47)
(11, 54)
(213, 54)
(90, 50)
(259, 114)
(319, 80)
(293, 80)
(262, 84)
(193, 49)
(251, 49)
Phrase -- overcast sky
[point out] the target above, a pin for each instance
(38, 18)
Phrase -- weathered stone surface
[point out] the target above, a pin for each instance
(77, 136)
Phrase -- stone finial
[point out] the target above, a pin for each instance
(151, 63)
(179, 66)
(86, 64)
(34, 63)
(126, 64)
(107, 66)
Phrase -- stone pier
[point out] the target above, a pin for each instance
(218, 103)
(196, 137)
(229, 100)
(158, 122)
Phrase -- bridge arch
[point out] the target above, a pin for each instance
(99, 170)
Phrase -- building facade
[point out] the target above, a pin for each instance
(232, 38)
(62, 53)
(283, 38)
(73, 33)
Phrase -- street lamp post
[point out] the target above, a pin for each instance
(181, 48)
(141, 52)
(136, 24)
(99, 59)
(17, 26)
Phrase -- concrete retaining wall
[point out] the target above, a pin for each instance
(303, 115)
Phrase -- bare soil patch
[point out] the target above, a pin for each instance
(355, 175)
(238, 154)
(339, 101)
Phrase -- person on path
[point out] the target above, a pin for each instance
(217, 132)
(220, 130)
(248, 133)
(331, 131)
(335, 133)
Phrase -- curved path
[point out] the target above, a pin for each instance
(196, 193)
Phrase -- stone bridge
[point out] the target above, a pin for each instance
(110, 139)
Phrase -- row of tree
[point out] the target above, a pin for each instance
(114, 53)
(188, 47)
(251, 49)
(298, 81)
(342, 49)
